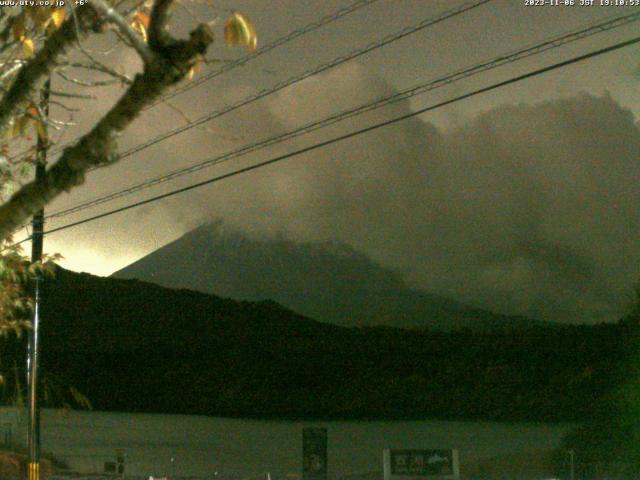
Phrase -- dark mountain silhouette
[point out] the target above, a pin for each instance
(134, 346)
(327, 281)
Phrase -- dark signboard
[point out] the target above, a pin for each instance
(314, 453)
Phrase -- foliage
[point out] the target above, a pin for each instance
(16, 278)
(238, 30)
(40, 44)
(140, 347)
(609, 442)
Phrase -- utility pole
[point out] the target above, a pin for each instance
(33, 433)
(571, 465)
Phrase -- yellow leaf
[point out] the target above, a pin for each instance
(193, 70)
(143, 18)
(238, 29)
(57, 17)
(141, 23)
(28, 47)
(138, 24)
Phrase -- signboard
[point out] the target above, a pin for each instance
(421, 464)
(120, 457)
(314, 454)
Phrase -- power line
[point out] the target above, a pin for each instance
(387, 40)
(381, 102)
(266, 48)
(327, 19)
(428, 22)
(352, 134)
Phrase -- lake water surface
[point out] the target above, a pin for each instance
(202, 446)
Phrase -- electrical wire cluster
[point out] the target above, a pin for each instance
(495, 62)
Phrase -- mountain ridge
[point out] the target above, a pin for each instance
(134, 346)
(328, 281)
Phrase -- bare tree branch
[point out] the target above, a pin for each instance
(159, 19)
(98, 66)
(17, 64)
(58, 93)
(38, 67)
(84, 83)
(111, 15)
(169, 63)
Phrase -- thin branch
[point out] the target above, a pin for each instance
(5, 34)
(23, 154)
(112, 16)
(108, 51)
(96, 65)
(62, 123)
(85, 83)
(40, 117)
(99, 65)
(18, 64)
(37, 68)
(58, 93)
(64, 107)
(186, 118)
(132, 8)
(76, 22)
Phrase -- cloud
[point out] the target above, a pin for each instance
(525, 209)
(541, 208)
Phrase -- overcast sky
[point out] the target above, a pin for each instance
(523, 199)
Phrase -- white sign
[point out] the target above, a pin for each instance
(421, 464)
